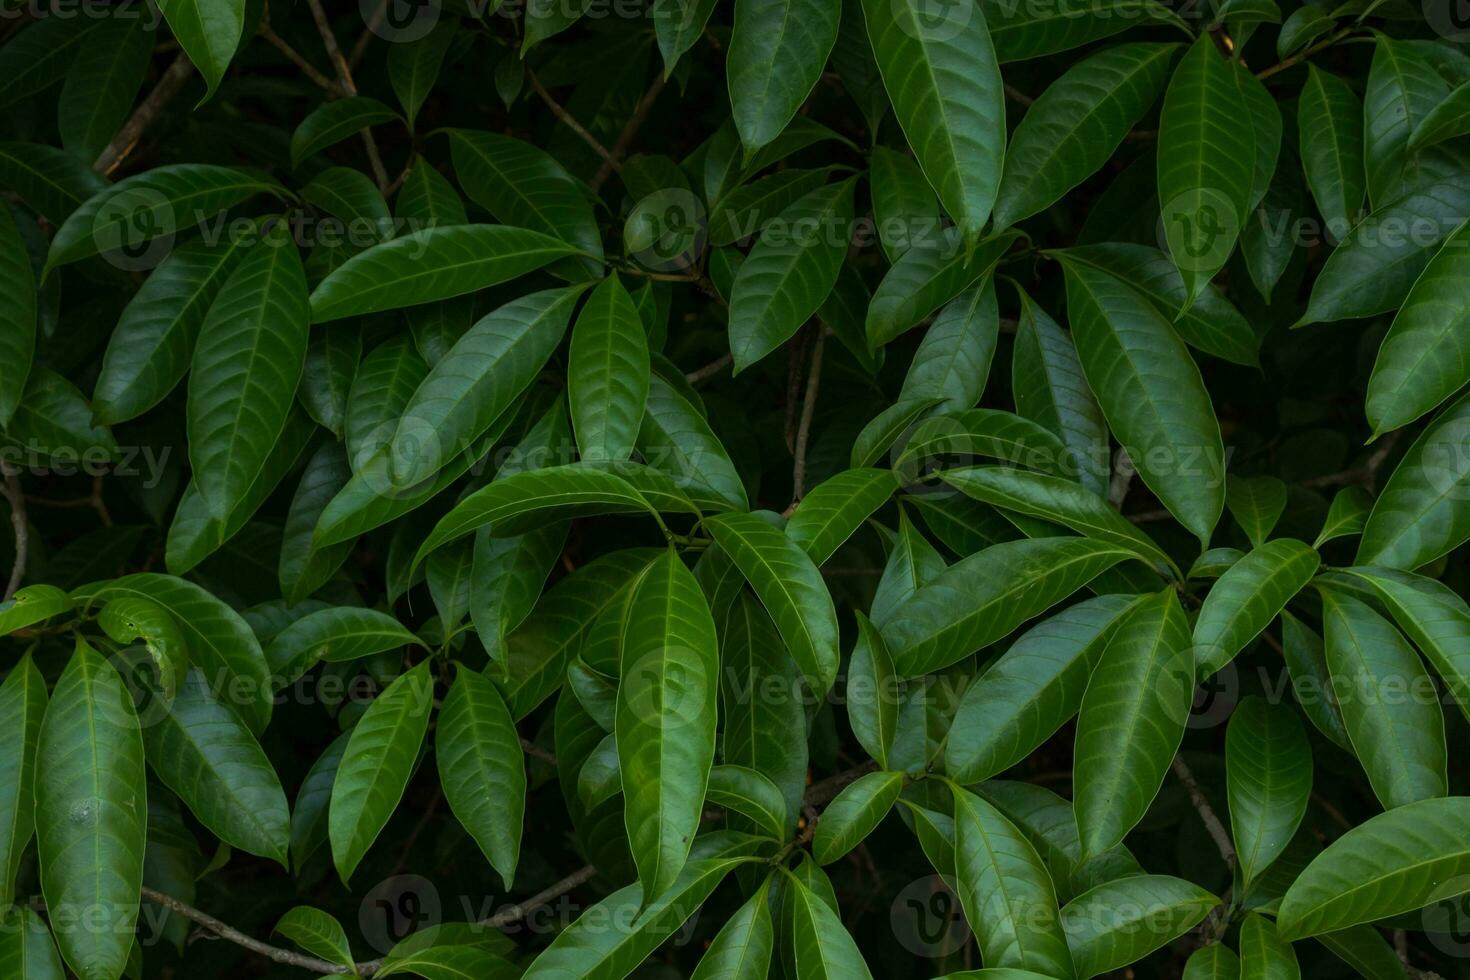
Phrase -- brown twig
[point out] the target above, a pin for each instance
(808, 409)
(168, 86)
(344, 76)
(570, 121)
(1306, 53)
(365, 38)
(709, 370)
(1212, 823)
(296, 58)
(820, 793)
(1123, 471)
(537, 752)
(630, 131)
(17, 500)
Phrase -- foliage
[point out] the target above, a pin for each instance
(812, 488)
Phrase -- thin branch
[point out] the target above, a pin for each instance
(365, 38)
(1016, 95)
(630, 131)
(224, 931)
(537, 752)
(17, 500)
(1306, 53)
(1123, 471)
(570, 121)
(168, 86)
(344, 76)
(709, 370)
(1212, 823)
(808, 409)
(296, 58)
(818, 794)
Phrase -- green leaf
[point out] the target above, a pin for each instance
(1388, 704)
(1391, 863)
(506, 580)
(309, 815)
(1403, 88)
(1306, 661)
(1346, 516)
(594, 950)
(1365, 950)
(318, 933)
(221, 644)
(953, 360)
(482, 770)
(676, 439)
(41, 54)
(523, 185)
(247, 363)
(1031, 691)
(429, 198)
(382, 387)
(905, 209)
(477, 381)
(304, 567)
(944, 81)
(885, 429)
(1264, 955)
(741, 950)
(678, 25)
(1423, 359)
(821, 946)
(1434, 617)
(209, 32)
(981, 432)
(1256, 503)
(1421, 512)
(1268, 779)
(52, 181)
(120, 221)
(854, 814)
(1330, 127)
(778, 49)
(53, 421)
(376, 765)
(751, 794)
(791, 589)
(335, 634)
(1006, 891)
(100, 88)
(1024, 31)
(1077, 124)
(332, 355)
(985, 596)
(31, 605)
(834, 510)
(91, 814)
(607, 373)
(413, 66)
(1374, 267)
(1132, 720)
(1061, 501)
(1205, 165)
(665, 723)
(931, 273)
(1249, 594)
(790, 271)
(17, 314)
(1151, 393)
(451, 963)
(23, 703)
(1447, 120)
(334, 121)
(129, 618)
(432, 264)
(202, 751)
(1122, 921)
(1213, 962)
(1210, 324)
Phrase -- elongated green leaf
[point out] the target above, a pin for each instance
(27, 951)
(678, 25)
(1132, 720)
(125, 221)
(1122, 921)
(1374, 268)
(982, 432)
(309, 814)
(247, 363)
(821, 946)
(1151, 393)
(677, 440)
(885, 429)
(944, 81)
(1306, 661)
(1256, 503)
(52, 181)
(432, 264)
(751, 794)
(931, 273)
(791, 589)
(332, 355)
(477, 381)
(1055, 499)
(953, 360)
(1007, 893)
(1346, 516)
(413, 66)
(482, 770)
(334, 634)
(905, 209)
(17, 316)
(1330, 127)
(1268, 771)
(304, 567)
(100, 87)
(204, 753)
(1434, 616)
(1389, 706)
(91, 814)
(1392, 862)
(792, 268)
(1445, 121)
(982, 598)
(318, 933)
(1423, 359)
(1205, 165)
(1031, 691)
(607, 373)
(506, 580)
(665, 723)
(592, 949)
(1250, 594)
(778, 49)
(23, 704)
(376, 765)
(1077, 124)
(1422, 512)
(209, 32)
(1023, 31)
(836, 508)
(741, 950)
(1264, 955)
(854, 814)
(41, 54)
(451, 963)
(382, 387)
(332, 122)
(1403, 88)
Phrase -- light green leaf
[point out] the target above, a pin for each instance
(741, 950)
(1306, 661)
(821, 946)
(834, 509)
(1264, 955)
(751, 794)
(1249, 594)
(1122, 921)
(318, 933)
(854, 814)
(334, 635)
(1268, 780)
(607, 373)
(130, 618)
(31, 605)
(1132, 720)
(376, 765)
(1256, 503)
(1434, 617)
(1213, 962)
(27, 951)
(1346, 516)
(482, 769)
